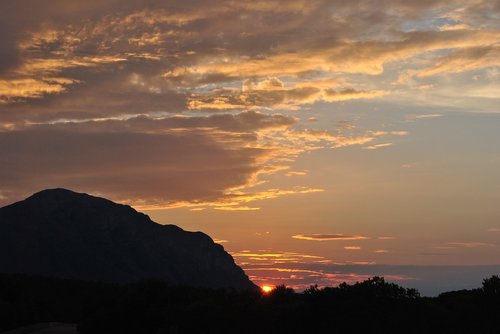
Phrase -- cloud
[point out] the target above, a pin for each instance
(354, 248)
(272, 93)
(141, 160)
(351, 94)
(160, 162)
(427, 279)
(301, 273)
(109, 101)
(18, 89)
(328, 237)
(385, 133)
(332, 140)
(235, 208)
(466, 59)
(471, 244)
(367, 57)
(377, 146)
(423, 116)
(296, 173)
(275, 257)
(223, 42)
(220, 241)
(190, 165)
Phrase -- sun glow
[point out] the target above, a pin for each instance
(267, 288)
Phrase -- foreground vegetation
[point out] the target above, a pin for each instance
(154, 307)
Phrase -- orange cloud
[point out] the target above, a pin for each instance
(20, 89)
(328, 237)
(236, 208)
(272, 258)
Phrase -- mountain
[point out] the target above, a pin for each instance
(58, 232)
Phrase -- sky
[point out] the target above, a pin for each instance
(317, 141)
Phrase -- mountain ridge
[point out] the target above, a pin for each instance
(62, 233)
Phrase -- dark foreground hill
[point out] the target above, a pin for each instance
(154, 307)
(72, 235)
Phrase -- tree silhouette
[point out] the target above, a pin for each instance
(491, 286)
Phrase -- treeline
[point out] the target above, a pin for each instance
(372, 306)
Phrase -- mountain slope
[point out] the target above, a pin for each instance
(61, 233)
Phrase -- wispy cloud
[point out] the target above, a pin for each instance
(302, 275)
(275, 257)
(296, 173)
(377, 146)
(220, 241)
(329, 237)
(236, 208)
(466, 59)
(197, 209)
(471, 244)
(424, 116)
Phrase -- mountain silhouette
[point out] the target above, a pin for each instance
(61, 233)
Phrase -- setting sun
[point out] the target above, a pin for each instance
(267, 288)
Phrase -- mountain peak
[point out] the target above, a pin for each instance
(59, 232)
(63, 195)
(56, 191)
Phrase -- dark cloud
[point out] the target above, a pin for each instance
(170, 167)
(152, 160)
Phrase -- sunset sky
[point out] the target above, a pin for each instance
(317, 141)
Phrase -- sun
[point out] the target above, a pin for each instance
(267, 288)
